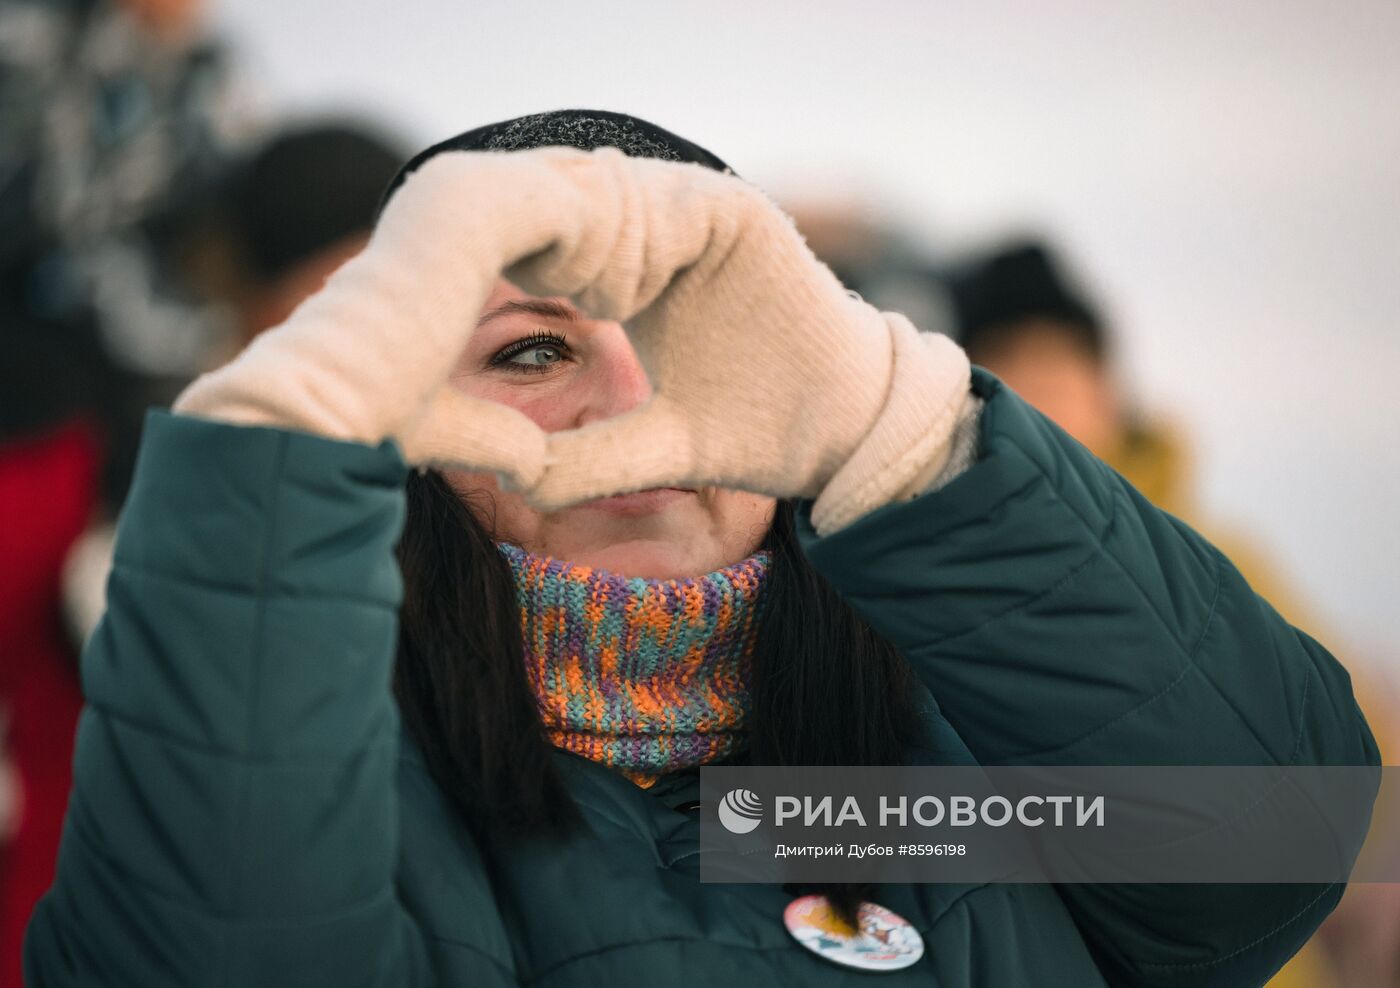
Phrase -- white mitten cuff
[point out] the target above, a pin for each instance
(911, 439)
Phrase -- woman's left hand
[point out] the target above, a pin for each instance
(768, 375)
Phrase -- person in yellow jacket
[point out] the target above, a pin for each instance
(1017, 316)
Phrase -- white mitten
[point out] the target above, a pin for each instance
(767, 375)
(367, 358)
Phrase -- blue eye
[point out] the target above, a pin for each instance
(535, 353)
(537, 356)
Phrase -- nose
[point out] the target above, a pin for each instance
(616, 381)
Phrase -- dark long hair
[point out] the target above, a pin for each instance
(826, 689)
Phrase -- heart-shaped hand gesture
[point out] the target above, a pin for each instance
(767, 375)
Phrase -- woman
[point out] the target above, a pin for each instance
(767, 458)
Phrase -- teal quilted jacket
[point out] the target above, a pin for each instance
(246, 811)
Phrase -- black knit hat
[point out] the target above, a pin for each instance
(1014, 285)
(584, 129)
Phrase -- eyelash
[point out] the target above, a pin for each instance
(538, 338)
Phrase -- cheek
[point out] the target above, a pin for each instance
(744, 519)
(551, 405)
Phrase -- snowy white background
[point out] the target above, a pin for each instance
(1225, 175)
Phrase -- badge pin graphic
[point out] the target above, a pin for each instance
(884, 941)
(740, 811)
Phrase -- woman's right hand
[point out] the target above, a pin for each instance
(367, 358)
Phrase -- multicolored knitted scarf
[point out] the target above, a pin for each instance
(644, 676)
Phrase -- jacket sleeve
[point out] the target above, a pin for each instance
(233, 819)
(1059, 618)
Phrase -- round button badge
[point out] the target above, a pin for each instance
(884, 942)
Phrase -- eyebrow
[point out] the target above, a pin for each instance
(542, 308)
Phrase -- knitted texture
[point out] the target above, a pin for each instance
(644, 676)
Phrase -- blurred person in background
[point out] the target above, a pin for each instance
(114, 115)
(1017, 316)
(1021, 317)
(282, 216)
(110, 113)
(290, 211)
(353, 722)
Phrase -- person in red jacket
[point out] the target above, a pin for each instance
(48, 491)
